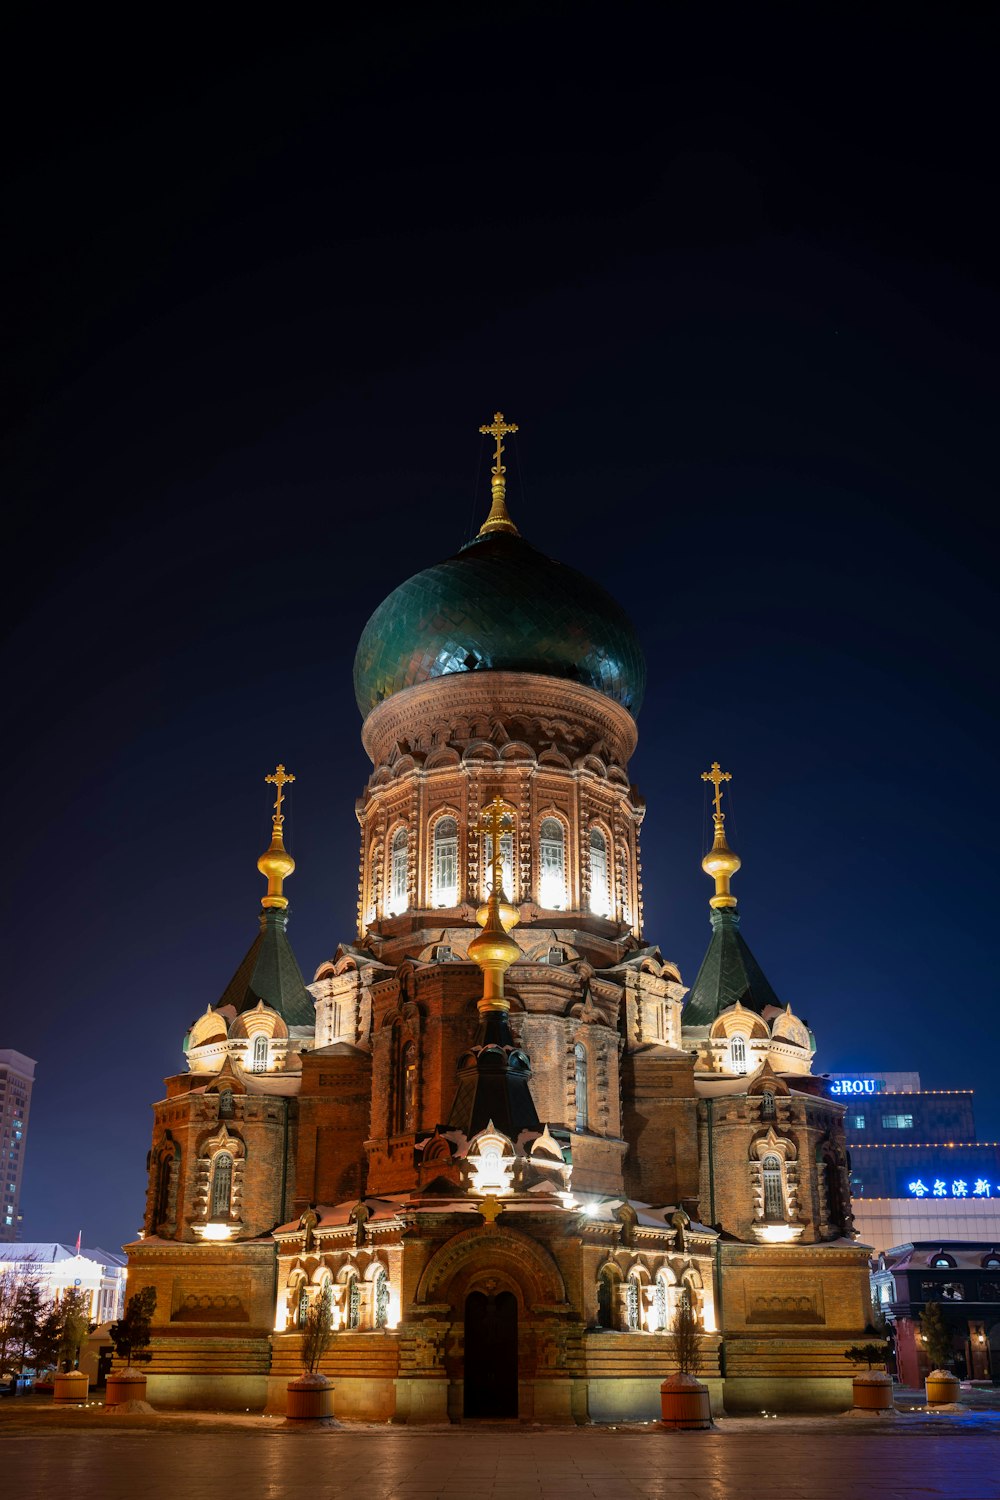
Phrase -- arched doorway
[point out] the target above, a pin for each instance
(490, 1371)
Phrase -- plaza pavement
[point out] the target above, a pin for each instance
(89, 1454)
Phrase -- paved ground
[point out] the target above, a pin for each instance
(257, 1458)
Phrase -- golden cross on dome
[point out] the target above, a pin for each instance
(717, 777)
(280, 779)
(498, 429)
(491, 823)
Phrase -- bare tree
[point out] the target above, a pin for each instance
(684, 1338)
(318, 1331)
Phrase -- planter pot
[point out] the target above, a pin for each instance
(127, 1385)
(685, 1403)
(73, 1386)
(941, 1388)
(310, 1399)
(873, 1391)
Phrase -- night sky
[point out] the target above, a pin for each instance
(736, 278)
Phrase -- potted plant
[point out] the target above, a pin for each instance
(940, 1385)
(126, 1388)
(872, 1387)
(684, 1402)
(71, 1384)
(310, 1395)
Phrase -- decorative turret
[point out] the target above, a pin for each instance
(729, 973)
(493, 1075)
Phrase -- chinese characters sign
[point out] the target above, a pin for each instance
(953, 1187)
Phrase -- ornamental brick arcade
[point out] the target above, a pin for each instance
(500, 1205)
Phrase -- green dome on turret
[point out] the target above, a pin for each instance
(499, 605)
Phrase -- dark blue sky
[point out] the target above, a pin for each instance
(738, 285)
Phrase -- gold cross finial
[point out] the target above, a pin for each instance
(717, 777)
(498, 519)
(720, 862)
(280, 779)
(494, 822)
(276, 864)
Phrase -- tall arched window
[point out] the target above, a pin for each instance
(444, 866)
(600, 884)
(552, 864)
(259, 1063)
(406, 1089)
(222, 1185)
(399, 851)
(380, 1298)
(767, 1109)
(661, 1301)
(738, 1054)
(506, 865)
(302, 1307)
(580, 1058)
(354, 1303)
(606, 1299)
(632, 1303)
(774, 1197)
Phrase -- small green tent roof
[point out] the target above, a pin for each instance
(729, 972)
(270, 972)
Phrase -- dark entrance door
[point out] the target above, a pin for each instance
(491, 1355)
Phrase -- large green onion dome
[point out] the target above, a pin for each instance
(499, 604)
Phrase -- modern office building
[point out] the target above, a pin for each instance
(17, 1074)
(918, 1171)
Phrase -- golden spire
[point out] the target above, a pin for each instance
(498, 519)
(720, 862)
(276, 864)
(493, 949)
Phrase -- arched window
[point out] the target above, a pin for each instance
(684, 1299)
(302, 1309)
(406, 1089)
(552, 864)
(506, 865)
(354, 1303)
(992, 1262)
(767, 1109)
(222, 1185)
(738, 1054)
(632, 1303)
(661, 1301)
(225, 1104)
(580, 1058)
(398, 871)
(606, 1299)
(444, 866)
(259, 1061)
(774, 1197)
(380, 1296)
(600, 884)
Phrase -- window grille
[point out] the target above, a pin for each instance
(398, 872)
(444, 875)
(600, 887)
(552, 864)
(580, 1056)
(222, 1185)
(774, 1197)
(259, 1063)
(381, 1299)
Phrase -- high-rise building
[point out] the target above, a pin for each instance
(17, 1074)
(491, 1142)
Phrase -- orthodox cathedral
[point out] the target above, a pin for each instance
(497, 1138)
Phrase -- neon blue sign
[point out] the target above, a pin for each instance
(957, 1187)
(857, 1086)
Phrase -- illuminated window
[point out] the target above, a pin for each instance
(738, 1055)
(259, 1063)
(354, 1303)
(406, 1092)
(600, 885)
(302, 1308)
(632, 1303)
(444, 873)
(661, 1301)
(222, 1185)
(856, 1122)
(552, 864)
(580, 1056)
(398, 871)
(380, 1294)
(897, 1122)
(506, 865)
(774, 1197)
